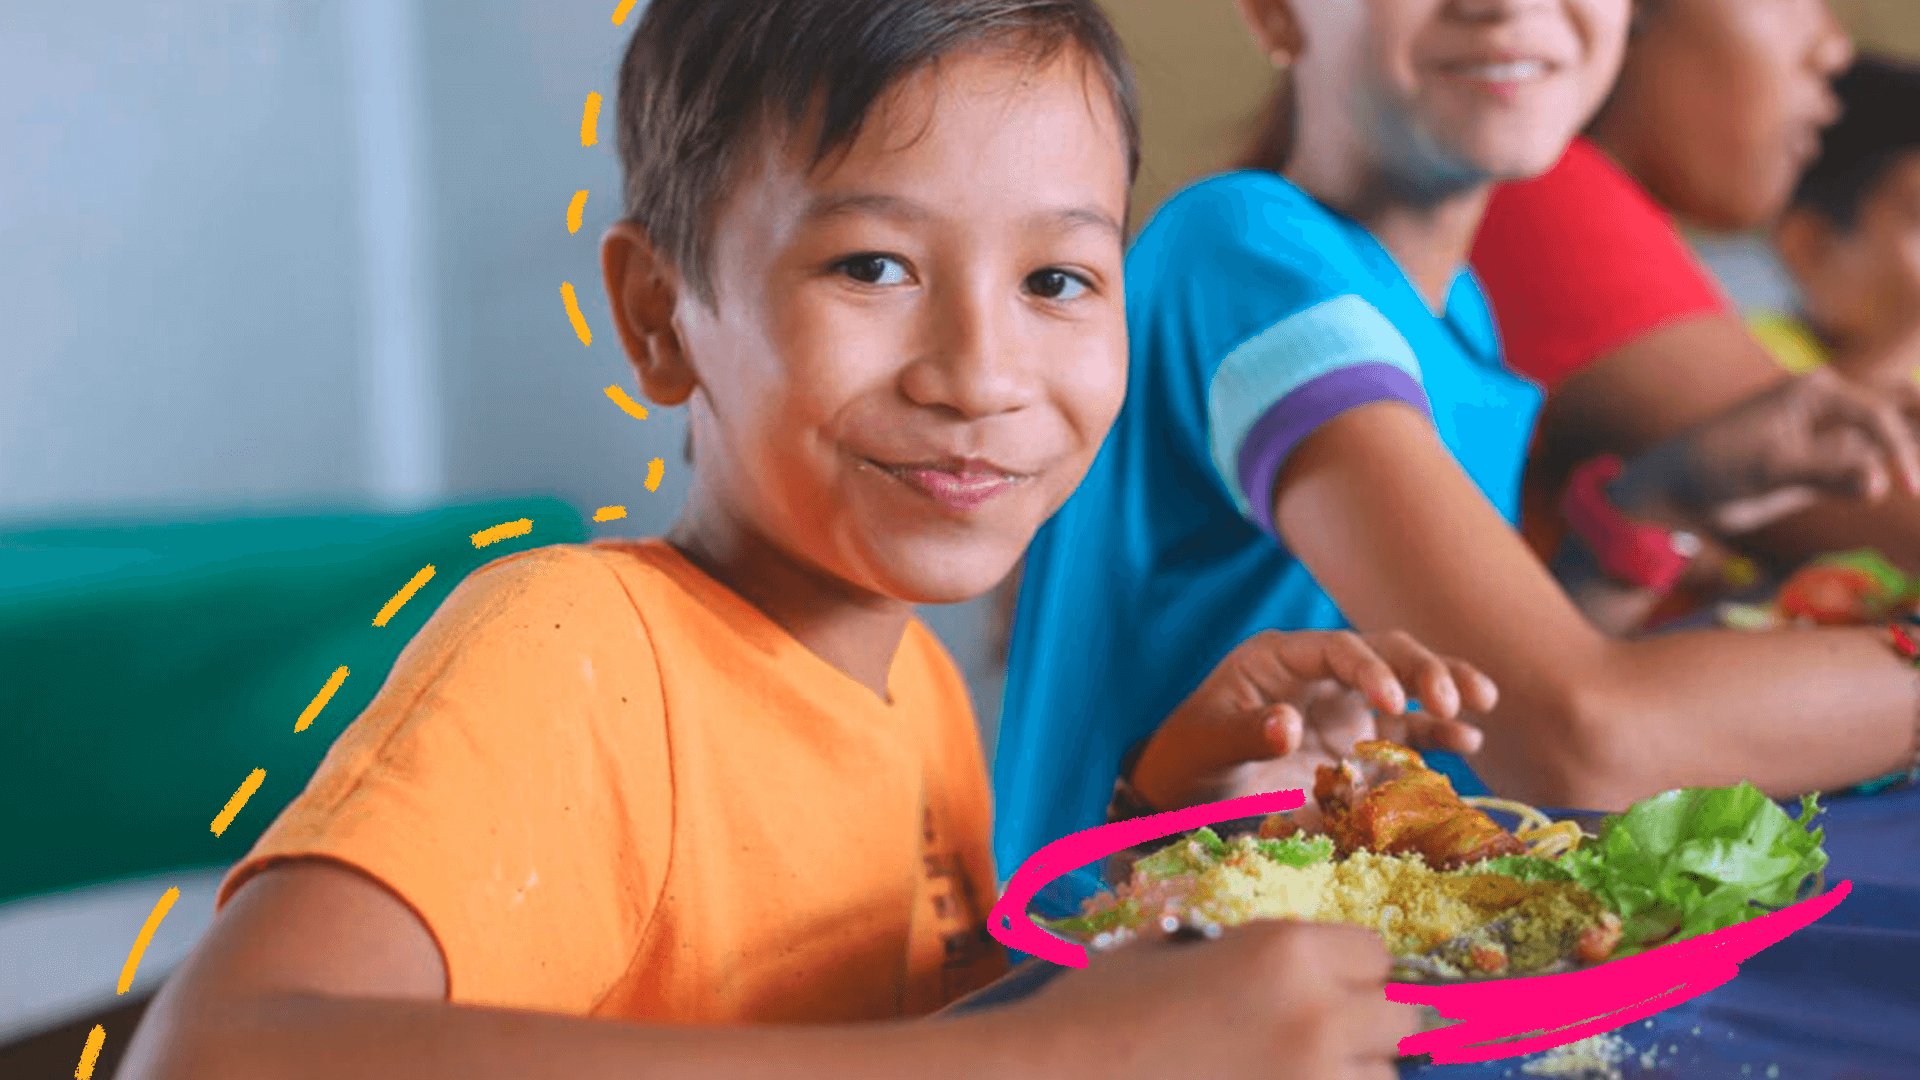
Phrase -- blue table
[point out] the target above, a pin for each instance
(1840, 1000)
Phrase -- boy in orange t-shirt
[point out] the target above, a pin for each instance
(722, 786)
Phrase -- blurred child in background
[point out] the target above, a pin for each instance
(1851, 236)
(1718, 110)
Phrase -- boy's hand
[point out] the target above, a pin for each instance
(1283, 704)
(1280, 1000)
(1777, 453)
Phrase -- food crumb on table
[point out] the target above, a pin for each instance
(1596, 1057)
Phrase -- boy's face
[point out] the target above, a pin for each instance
(915, 348)
(1722, 101)
(1862, 285)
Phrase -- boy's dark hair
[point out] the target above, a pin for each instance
(702, 78)
(1880, 126)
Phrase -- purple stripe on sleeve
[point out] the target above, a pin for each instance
(1302, 412)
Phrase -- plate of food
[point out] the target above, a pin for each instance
(1466, 889)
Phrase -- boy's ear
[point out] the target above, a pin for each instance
(642, 290)
(1275, 27)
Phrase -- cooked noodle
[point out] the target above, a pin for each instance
(1545, 838)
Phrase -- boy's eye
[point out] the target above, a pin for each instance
(1056, 284)
(874, 269)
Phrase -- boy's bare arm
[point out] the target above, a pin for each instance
(315, 971)
(1400, 537)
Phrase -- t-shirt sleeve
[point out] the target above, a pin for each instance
(1282, 338)
(510, 783)
(1579, 263)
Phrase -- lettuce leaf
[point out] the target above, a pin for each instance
(1209, 841)
(1084, 928)
(1193, 853)
(1696, 860)
(1298, 850)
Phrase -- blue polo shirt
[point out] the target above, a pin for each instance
(1256, 315)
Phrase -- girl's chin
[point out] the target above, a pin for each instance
(1509, 165)
(1509, 151)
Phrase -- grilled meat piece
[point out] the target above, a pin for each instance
(1385, 799)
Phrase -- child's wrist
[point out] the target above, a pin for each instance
(1127, 802)
(1903, 633)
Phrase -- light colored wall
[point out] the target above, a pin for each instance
(264, 251)
(523, 400)
(1202, 79)
(176, 254)
(1889, 25)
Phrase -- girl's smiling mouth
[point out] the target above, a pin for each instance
(1503, 74)
(958, 484)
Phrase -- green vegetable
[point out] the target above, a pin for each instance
(1086, 927)
(1194, 853)
(1297, 851)
(1697, 860)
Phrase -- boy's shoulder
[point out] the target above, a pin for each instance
(639, 586)
(622, 602)
(565, 599)
(644, 571)
(603, 579)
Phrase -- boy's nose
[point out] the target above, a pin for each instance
(1833, 49)
(972, 361)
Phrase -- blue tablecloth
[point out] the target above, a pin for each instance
(1839, 1000)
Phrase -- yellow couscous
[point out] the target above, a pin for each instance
(1413, 907)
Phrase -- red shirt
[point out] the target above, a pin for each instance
(1581, 261)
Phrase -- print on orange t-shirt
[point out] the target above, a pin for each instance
(609, 786)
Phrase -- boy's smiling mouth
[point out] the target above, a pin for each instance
(959, 484)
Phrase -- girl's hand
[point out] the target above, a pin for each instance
(1777, 453)
(1283, 704)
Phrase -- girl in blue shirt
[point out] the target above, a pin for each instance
(1319, 433)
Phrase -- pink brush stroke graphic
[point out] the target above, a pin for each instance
(1552, 1010)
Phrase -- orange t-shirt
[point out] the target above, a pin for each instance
(611, 787)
